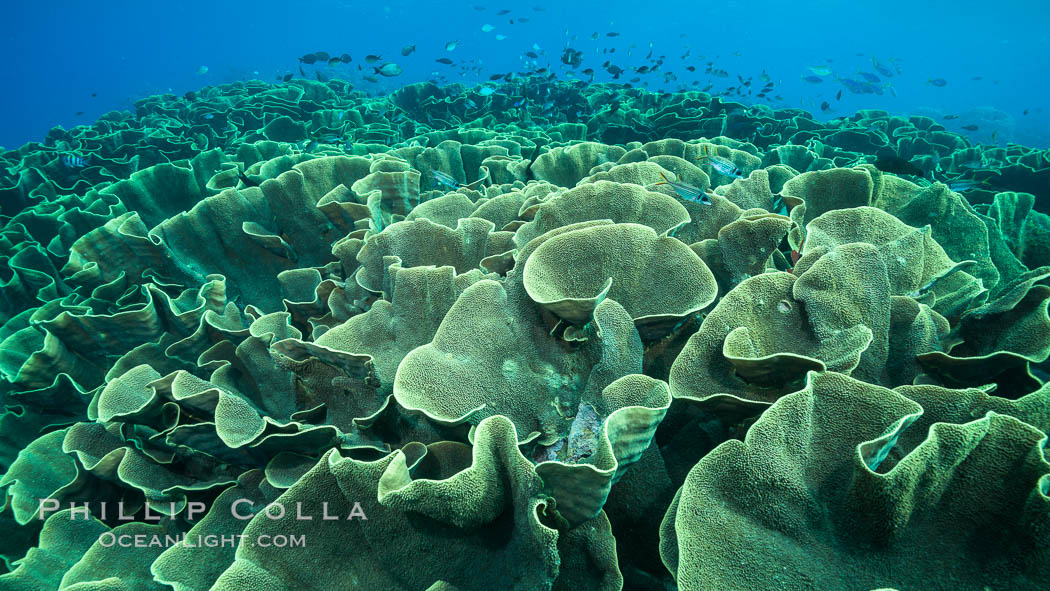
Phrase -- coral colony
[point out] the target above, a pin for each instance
(530, 335)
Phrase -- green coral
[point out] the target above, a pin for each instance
(827, 376)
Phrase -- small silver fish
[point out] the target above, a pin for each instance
(686, 191)
(446, 180)
(722, 165)
(961, 185)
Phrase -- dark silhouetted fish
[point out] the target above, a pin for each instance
(373, 58)
(247, 181)
(937, 82)
(897, 165)
(970, 127)
(408, 49)
(444, 60)
(571, 57)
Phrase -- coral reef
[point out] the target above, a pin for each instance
(559, 374)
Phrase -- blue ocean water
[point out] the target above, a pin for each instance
(67, 57)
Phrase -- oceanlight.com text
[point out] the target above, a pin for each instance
(110, 539)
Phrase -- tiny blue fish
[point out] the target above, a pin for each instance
(686, 191)
(722, 165)
(445, 179)
(73, 161)
(937, 82)
(813, 79)
(209, 115)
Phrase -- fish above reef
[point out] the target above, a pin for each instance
(444, 60)
(500, 37)
(686, 191)
(308, 58)
(950, 117)
(721, 164)
(813, 79)
(937, 82)
(486, 28)
(407, 50)
(870, 77)
(73, 160)
(451, 45)
(880, 68)
(970, 127)
(571, 57)
(897, 165)
(202, 70)
(373, 58)
(503, 12)
(388, 69)
(820, 70)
